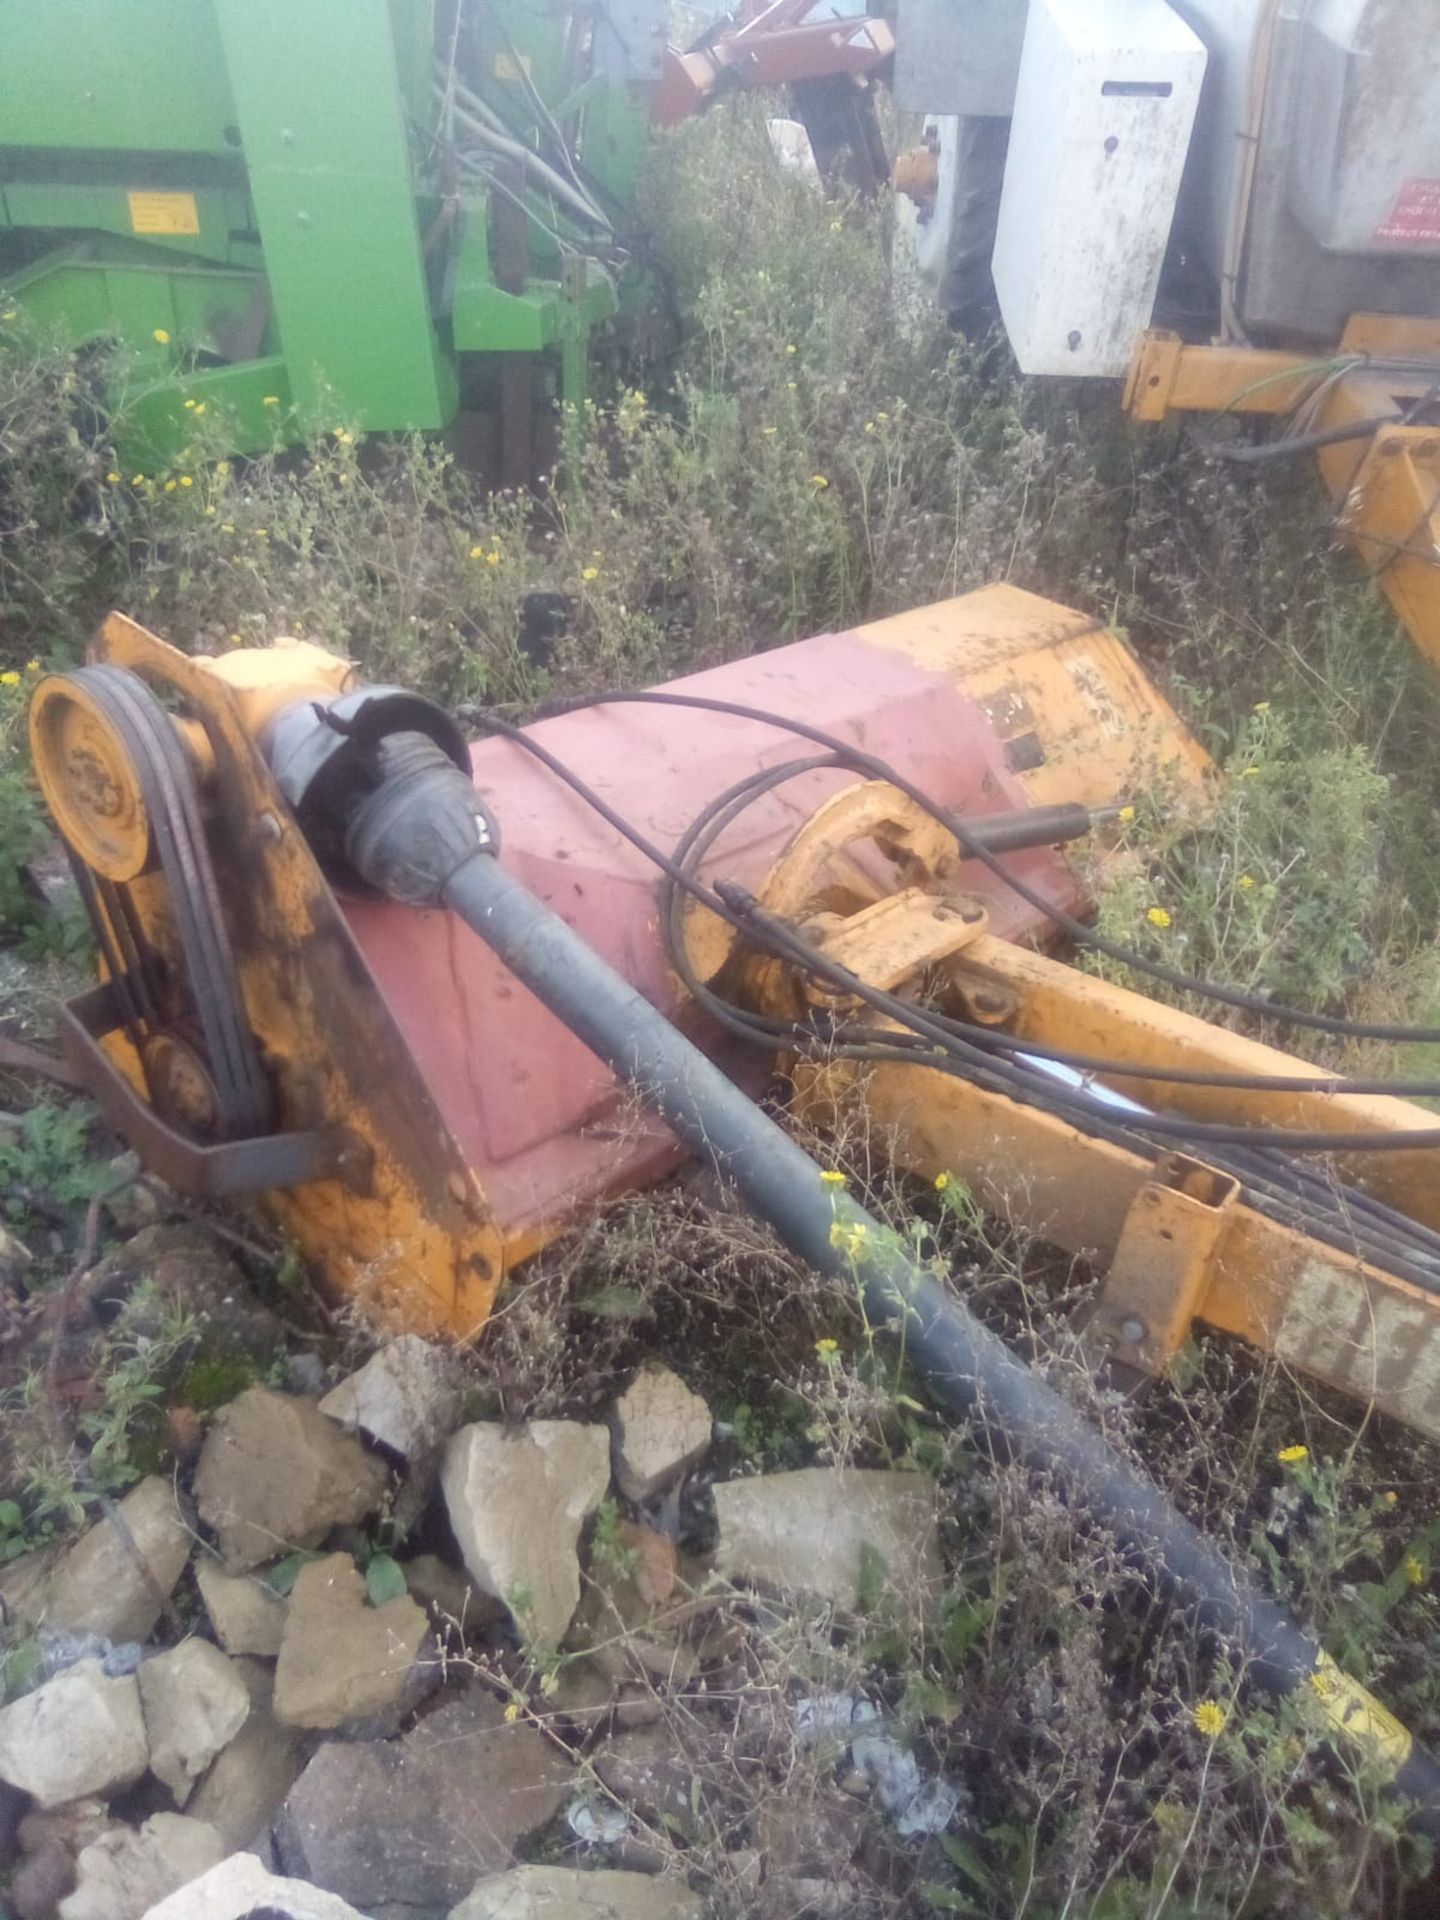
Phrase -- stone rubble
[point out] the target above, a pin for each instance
(248, 1616)
(415, 1820)
(811, 1531)
(276, 1475)
(194, 1704)
(660, 1430)
(49, 1844)
(340, 1658)
(120, 1573)
(568, 1893)
(517, 1500)
(248, 1781)
(406, 1397)
(242, 1888)
(81, 1733)
(286, 1737)
(122, 1875)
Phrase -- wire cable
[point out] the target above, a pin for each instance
(740, 910)
(876, 769)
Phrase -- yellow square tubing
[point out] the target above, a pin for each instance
(1385, 487)
(1174, 1239)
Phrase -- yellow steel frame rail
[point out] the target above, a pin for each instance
(1384, 488)
(1173, 1239)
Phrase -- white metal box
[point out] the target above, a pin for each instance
(1103, 114)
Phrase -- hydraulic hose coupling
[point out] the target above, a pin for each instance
(381, 786)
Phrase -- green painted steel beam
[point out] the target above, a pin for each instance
(124, 76)
(325, 125)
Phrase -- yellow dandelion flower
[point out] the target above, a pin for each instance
(227, 526)
(869, 426)
(492, 559)
(262, 533)
(161, 337)
(477, 553)
(789, 349)
(271, 400)
(138, 481)
(589, 573)
(1248, 773)
(882, 416)
(9, 679)
(186, 481)
(826, 1348)
(222, 468)
(1159, 917)
(169, 486)
(819, 482)
(1127, 814)
(1246, 883)
(1392, 1499)
(512, 1713)
(768, 431)
(209, 513)
(1210, 1718)
(942, 1181)
(112, 479)
(1413, 1571)
(1292, 1456)
(790, 386)
(1262, 706)
(189, 406)
(32, 666)
(831, 1178)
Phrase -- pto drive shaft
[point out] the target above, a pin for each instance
(421, 836)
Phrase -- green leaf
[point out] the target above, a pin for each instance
(283, 1575)
(962, 1855)
(616, 1303)
(11, 1518)
(384, 1580)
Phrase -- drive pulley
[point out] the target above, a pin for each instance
(120, 784)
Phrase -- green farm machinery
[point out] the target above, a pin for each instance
(386, 214)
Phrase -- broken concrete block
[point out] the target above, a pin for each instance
(517, 1500)
(415, 1820)
(247, 1615)
(240, 1888)
(570, 1893)
(247, 1784)
(342, 1659)
(406, 1397)
(814, 1531)
(81, 1733)
(119, 1574)
(275, 1475)
(124, 1874)
(194, 1704)
(661, 1429)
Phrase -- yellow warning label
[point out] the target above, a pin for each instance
(1359, 1716)
(164, 213)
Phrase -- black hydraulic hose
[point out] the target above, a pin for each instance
(1270, 453)
(419, 836)
(968, 1369)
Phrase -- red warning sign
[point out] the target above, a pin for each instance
(1415, 220)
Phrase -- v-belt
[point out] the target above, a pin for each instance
(172, 804)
